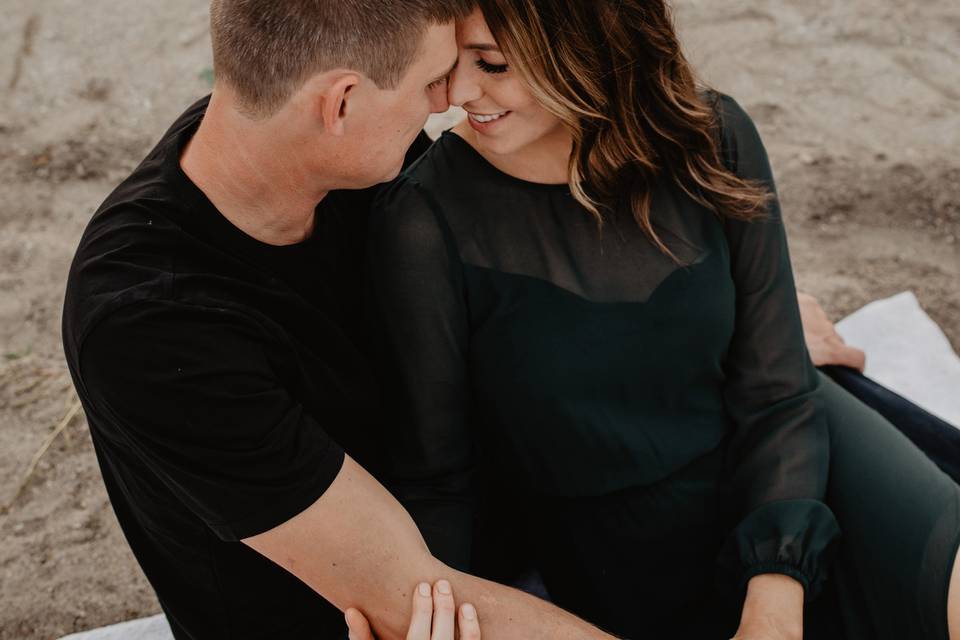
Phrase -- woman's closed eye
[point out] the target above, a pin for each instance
(486, 67)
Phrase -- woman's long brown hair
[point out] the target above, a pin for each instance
(614, 73)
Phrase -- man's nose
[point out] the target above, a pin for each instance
(439, 102)
(463, 86)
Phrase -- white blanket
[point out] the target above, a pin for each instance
(155, 628)
(906, 352)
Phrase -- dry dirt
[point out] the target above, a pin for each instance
(858, 101)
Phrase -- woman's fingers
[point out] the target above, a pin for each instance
(432, 619)
(469, 623)
(420, 621)
(825, 345)
(444, 611)
(849, 356)
(358, 625)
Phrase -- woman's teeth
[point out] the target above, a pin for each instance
(488, 118)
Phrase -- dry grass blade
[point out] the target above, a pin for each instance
(61, 426)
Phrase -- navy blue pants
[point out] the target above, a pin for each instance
(939, 440)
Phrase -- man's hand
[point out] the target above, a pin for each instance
(432, 617)
(823, 342)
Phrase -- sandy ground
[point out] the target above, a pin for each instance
(858, 100)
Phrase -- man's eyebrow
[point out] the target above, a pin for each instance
(446, 73)
(482, 47)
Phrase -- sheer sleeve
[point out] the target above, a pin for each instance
(780, 449)
(418, 303)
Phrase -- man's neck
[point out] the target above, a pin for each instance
(257, 184)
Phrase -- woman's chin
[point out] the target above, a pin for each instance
(500, 145)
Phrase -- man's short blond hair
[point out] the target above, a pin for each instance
(266, 49)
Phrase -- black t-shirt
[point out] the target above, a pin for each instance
(222, 382)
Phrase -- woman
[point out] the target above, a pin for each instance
(592, 313)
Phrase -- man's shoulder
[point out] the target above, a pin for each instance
(151, 181)
(129, 251)
(135, 244)
(140, 212)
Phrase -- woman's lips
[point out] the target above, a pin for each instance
(484, 122)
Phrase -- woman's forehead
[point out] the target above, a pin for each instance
(474, 33)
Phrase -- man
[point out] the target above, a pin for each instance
(211, 326)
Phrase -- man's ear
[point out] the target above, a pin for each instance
(334, 99)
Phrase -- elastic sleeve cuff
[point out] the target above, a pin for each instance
(797, 538)
(780, 568)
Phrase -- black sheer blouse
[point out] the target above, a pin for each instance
(578, 362)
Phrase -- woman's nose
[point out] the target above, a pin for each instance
(464, 85)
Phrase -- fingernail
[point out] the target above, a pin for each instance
(424, 589)
(469, 613)
(443, 587)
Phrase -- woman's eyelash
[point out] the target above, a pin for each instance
(486, 67)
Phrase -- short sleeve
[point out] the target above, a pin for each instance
(189, 392)
(780, 447)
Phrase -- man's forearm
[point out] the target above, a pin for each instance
(358, 548)
(505, 613)
(510, 614)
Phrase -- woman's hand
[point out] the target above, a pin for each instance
(772, 610)
(823, 342)
(432, 619)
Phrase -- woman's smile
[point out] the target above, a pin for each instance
(483, 123)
